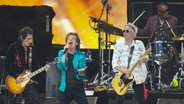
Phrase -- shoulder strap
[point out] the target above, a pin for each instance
(130, 56)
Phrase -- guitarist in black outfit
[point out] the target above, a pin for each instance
(19, 57)
(127, 52)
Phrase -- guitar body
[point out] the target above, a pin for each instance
(15, 87)
(121, 84)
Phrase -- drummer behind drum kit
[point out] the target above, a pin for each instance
(160, 54)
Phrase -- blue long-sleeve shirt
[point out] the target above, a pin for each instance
(79, 62)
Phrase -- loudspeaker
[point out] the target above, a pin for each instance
(91, 100)
(126, 101)
(170, 101)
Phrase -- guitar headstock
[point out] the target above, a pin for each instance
(147, 52)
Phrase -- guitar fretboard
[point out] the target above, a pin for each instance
(37, 71)
(40, 70)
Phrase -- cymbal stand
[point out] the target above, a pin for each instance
(159, 84)
(182, 66)
(181, 76)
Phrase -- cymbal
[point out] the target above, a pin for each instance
(178, 38)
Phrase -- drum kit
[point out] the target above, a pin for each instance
(162, 52)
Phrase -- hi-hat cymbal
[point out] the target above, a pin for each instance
(178, 38)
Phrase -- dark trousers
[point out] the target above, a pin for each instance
(29, 92)
(73, 93)
(139, 91)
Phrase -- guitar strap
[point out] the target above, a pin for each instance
(130, 56)
(30, 58)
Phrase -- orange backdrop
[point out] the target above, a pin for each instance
(73, 16)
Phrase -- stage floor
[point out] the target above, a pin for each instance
(168, 96)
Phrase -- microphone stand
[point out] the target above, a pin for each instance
(108, 8)
(100, 44)
(100, 75)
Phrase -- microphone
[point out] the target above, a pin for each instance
(31, 44)
(65, 50)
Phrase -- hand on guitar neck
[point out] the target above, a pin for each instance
(47, 67)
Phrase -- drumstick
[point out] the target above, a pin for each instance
(138, 17)
(170, 28)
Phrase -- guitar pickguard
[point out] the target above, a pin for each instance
(125, 80)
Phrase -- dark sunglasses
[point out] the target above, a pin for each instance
(127, 31)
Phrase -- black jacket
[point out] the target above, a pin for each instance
(15, 62)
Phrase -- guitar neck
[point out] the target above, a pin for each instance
(133, 67)
(37, 71)
(139, 61)
(41, 69)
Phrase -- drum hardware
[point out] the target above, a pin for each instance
(181, 79)
(181, 76)
(160, 84)
(178, 79)
(160, 55)
(181, 71)
(150, 82)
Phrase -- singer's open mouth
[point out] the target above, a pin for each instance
(69, 43)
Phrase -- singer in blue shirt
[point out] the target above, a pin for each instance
(72, 64)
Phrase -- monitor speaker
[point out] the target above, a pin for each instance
(170, 101)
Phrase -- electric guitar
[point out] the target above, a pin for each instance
(18, 87)
(122, 82)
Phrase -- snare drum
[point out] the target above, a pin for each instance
(160, 49)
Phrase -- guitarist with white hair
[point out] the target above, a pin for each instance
(129, 60)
